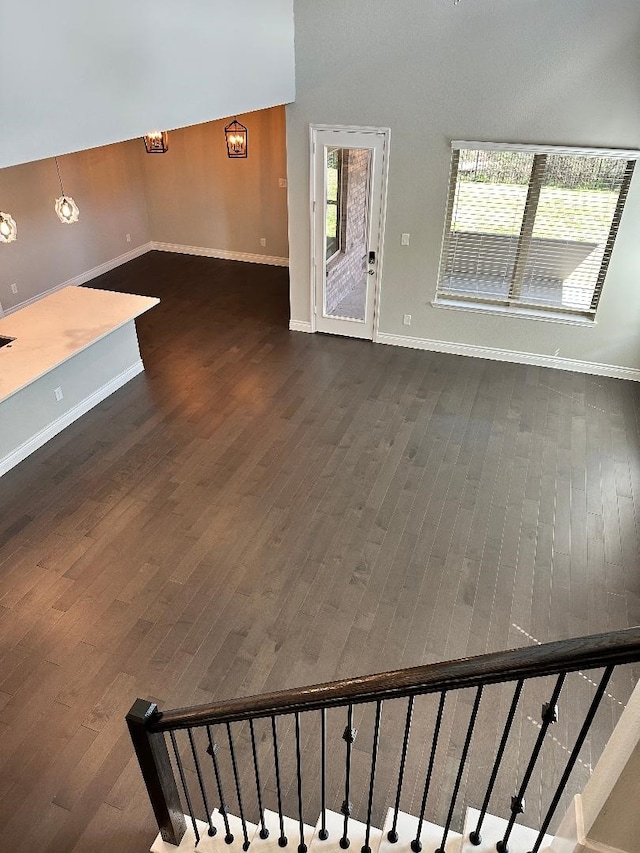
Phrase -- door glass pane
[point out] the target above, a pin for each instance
(334, 174)
(348, 173)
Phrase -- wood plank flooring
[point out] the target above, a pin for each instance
(263, 509)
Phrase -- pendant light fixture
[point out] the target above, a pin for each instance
(8, 228)
(156, 142)
(236, 135)
(65, 206)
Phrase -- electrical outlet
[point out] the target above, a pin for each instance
(282, 183)
(263, 241)
(127, 237)
(404, 240)
(407, 319)
(14, 288)
(57, 393)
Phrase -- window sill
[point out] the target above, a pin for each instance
(513, 311)
(335, 259)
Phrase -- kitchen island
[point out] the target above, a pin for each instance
(68, 352)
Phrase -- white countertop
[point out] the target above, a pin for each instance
(59, 326)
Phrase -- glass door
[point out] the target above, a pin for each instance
(347, 229)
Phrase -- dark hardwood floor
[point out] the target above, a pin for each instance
(263, 509)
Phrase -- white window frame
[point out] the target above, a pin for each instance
(516, 307)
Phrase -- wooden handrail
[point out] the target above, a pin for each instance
(597, 650)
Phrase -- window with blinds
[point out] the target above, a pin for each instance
(532, 227)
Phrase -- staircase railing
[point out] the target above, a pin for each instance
(149, 728)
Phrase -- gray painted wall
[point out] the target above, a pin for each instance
(197, 196)
(77, 75)
(193, 195)
(108, 186)
(533, 71)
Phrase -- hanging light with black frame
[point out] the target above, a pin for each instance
(65, 206)
(156, 142)
(8, 228)
(236, 135)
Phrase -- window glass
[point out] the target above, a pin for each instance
(531, 229)
(334, 189)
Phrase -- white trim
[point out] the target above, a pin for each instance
(84, 277)
(591, 846)
(619, 153)
(222, 254)
(351, 128)
(382, 232)
(300, 326)
(32, 444)
(515, 356)
(312, 221)
(452, 304)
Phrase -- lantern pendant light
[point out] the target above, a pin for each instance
(236, 135)
(8, 228)
(156, 142)
(65, 206)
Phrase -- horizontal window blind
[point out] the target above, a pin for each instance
(530, 227)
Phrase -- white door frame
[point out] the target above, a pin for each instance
(381, 131)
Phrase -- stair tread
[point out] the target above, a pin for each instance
(521, 840)
(356, 835)
(291, 831)
(187, 843)
(407, 826)
(207, 844)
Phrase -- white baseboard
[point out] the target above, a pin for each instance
(300, 326)
(84, 277)
(222, 254)
(515, 356)
(28, 447)
(111, 264)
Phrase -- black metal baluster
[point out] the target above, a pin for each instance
(475, 837)
(323, 834)
(392, 835)
(282, 841)
(264, 832)
(184, 786)
(245, 844)
(302, 847)
(348, 736)
(573, 757)
(416, 844)
(366, 848)
(212, 829)
(463, 760)
(549, 715)
(212, 749)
